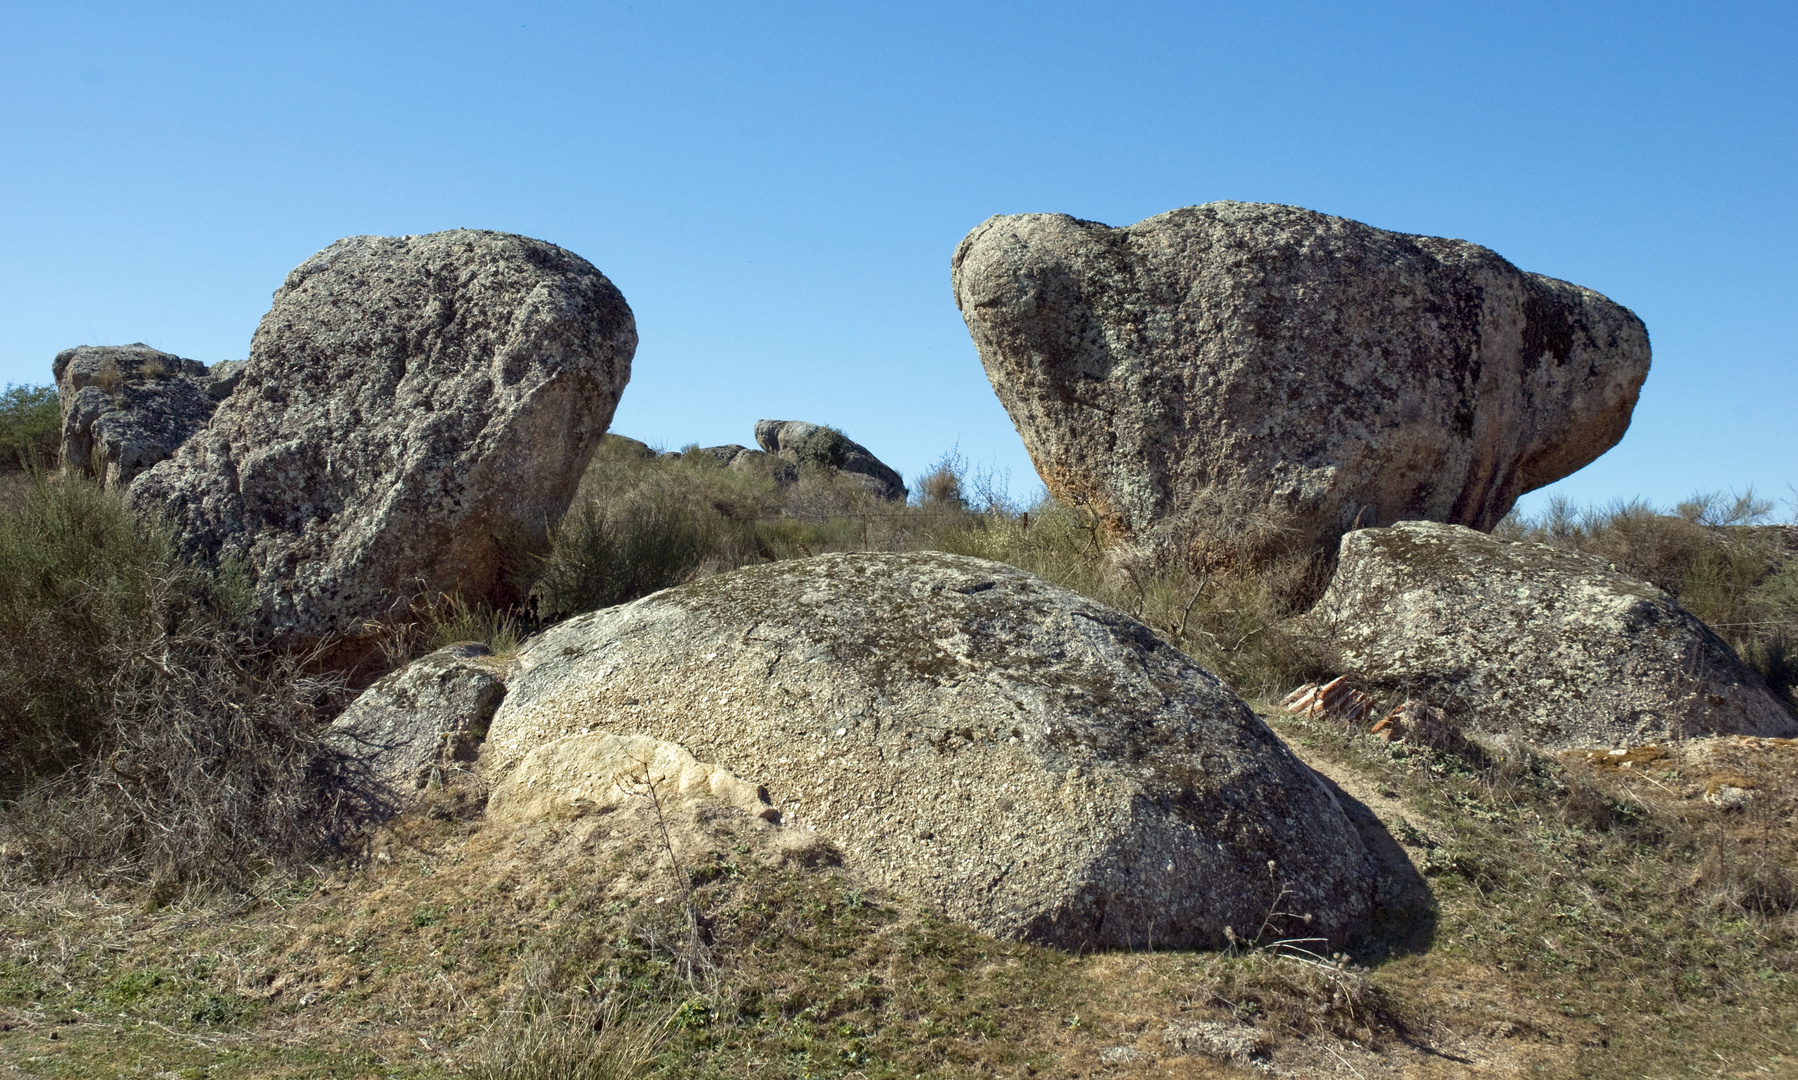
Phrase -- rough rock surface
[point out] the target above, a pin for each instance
(412, 408)
(1518, 637)
(1036, 764)
(599, 773)
(127, 407)
(799, 443)
(1236, 359)
(420, 722)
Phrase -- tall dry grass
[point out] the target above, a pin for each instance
(642, 523)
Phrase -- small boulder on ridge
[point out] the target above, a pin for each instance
(800, 444)
(127, 407)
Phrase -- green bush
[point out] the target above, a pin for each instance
(825, 448)
(30, 427)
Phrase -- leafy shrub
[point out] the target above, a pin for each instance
(598, 560)
(825, 448)
(30, 426)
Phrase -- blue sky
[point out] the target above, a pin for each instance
(777, 188)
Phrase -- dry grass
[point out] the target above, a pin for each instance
(1591, 919)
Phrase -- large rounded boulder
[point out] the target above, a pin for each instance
(413, 411)
(1030, 762)
(1246, 377)
(1524, 638)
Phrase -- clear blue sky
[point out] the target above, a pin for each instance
(777, 188)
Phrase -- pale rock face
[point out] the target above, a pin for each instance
(1034, 764)
(127, 407)
(579, 774)
(413, 409)
(1521, 638)
(1255, 360)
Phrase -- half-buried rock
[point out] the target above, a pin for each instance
(1033, 763)
(417, 726)
(1519, 637)
(1238, 379)
(414, 410)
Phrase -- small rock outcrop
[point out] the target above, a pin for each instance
(1519, 637)
(419, 724)
(800, 444)
(580, 774)
(127, 407)
(1035, 764)
(1253, 378)
(413, 410)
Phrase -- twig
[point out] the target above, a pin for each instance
(1344, 1061)
(1196, 593)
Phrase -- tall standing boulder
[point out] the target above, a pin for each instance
(1523, 638)
(127, 407)
(1252, 375)
(412, 410)
(1034, 764)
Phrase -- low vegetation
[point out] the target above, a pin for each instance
(143, 736)
(183, 889)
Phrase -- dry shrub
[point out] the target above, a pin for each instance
(1299, 996)
(146, 736)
